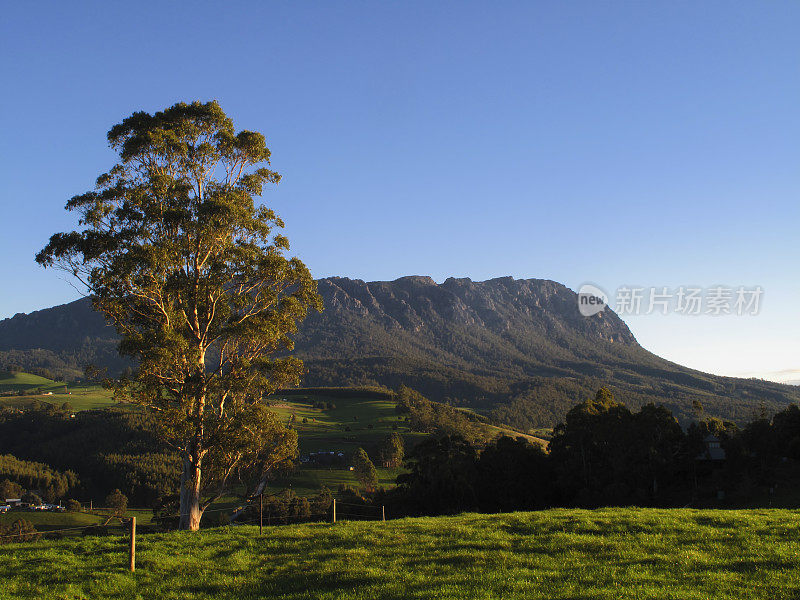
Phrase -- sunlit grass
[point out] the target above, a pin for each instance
(353, 423)
(35, 388)
(603, 554)
(45, 521)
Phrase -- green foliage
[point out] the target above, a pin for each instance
(433, 417)
(106, 449)
(365, 471)
(19, 531)
(74, 506)
(373, 392)
(392, 450)
(604, 454)
(30, 497)
(287, 507)
(58, 343)
(10, 489)
(513, 474)
(117, 502)
(441, 477)
(28, 474)
(177, 254)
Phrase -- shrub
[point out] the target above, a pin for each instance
(31, 498)
(365, 471)
(10, 489)
(20, 530)
(117, 502)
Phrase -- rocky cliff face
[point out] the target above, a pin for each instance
(415, 302)
(459, 317)
(412, 304)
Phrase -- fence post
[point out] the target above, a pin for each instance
(383, 513)
(133, 545)
(334, 510)
(261, 513)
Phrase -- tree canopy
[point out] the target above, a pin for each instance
(193, 274)
(365, 470)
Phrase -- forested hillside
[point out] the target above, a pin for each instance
(517, 350)
(59, 342)
(106, 449)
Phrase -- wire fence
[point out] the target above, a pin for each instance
(241, 515)
(351, 512)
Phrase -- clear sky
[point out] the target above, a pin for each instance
(640, 143)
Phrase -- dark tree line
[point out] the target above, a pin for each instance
(604, 454)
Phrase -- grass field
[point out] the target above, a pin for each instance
(353, 423)
(35, 388)
(49, 521)
(369, 420)
(326, 430)
(25, 381)
(556, 554)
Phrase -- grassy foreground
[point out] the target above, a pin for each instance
(576, 554)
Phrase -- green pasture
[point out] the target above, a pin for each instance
(606, 554)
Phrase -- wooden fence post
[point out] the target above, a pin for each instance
(261, 513)
(334, 510)
(383, 513)
(133, 545)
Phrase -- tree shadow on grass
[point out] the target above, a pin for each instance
(749, 566)
(290, 587)
(304, 586)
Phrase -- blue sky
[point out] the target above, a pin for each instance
(640, 143)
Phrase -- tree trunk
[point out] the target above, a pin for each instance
(192, 461)
(190, 494)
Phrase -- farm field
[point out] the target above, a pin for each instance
(350, 423)
(35, 388)
(45, 521)
(324, 424)
(554, 554)
(346, 424)
(25, 381)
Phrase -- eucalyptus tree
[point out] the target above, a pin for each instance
(192, 270)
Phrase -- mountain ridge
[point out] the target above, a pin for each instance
(517, 349)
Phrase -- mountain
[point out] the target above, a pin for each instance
(517, 350)
(59, 341)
